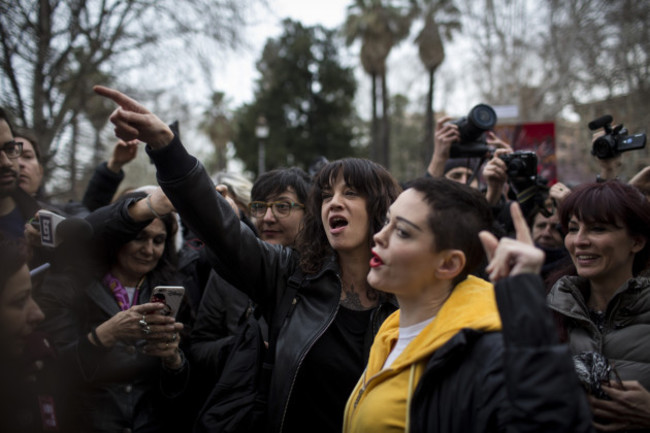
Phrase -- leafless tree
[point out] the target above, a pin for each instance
(53, 51)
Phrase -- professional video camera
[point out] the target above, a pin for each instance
(472, 128)
(615, 140)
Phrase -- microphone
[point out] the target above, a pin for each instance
(601, 122)
(74, 229)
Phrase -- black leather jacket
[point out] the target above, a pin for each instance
(261, 269)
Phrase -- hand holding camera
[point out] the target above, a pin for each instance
(496, 176)
(472, 131)
(615, 140)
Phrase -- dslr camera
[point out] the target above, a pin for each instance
(615, 140)
(526, 187)
(521, 166)
(480, 119)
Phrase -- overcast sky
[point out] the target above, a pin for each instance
(236, 77)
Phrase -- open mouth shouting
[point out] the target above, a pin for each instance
(337, 224)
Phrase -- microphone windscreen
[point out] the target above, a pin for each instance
(600, 122)
(74, 229)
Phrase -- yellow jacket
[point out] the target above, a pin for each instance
(380, 400)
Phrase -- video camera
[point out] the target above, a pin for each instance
(615, 140)
(480, 119)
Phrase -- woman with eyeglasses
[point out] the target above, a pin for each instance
(324, 341)
(603, 303)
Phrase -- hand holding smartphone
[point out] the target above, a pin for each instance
(170, 297)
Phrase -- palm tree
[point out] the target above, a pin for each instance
(379, 25)
(218, 128)
(439, 15)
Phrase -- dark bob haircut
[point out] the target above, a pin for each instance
(277, 181)
(457, 213)
(615, 203)
(370, 180)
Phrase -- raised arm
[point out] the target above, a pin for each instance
(255, 266)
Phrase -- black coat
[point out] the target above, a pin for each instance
(118, 388)
(112, 389)
(517, 380)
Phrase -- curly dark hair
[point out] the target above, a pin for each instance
(370, 180)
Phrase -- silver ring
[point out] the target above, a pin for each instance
(146, 330)
(174, 337)
(143, 322)
(167, 346)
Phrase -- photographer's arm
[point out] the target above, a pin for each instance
(446, 134)
(495, 176)
(192, 193)
(641, 180)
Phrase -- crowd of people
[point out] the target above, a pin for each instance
(443, 304)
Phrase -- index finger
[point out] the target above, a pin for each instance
(149, 307)
(120, 99)
(521, 228)
(442, 121)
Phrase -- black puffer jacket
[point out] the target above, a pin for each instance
(260, 268)
(623, 337)
(517, 380)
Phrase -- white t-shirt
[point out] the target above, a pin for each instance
(406, 335)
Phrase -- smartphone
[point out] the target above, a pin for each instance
(170, 296)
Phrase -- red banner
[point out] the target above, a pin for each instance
(537, 137)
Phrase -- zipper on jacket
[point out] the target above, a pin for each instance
(366, 382)
(304, 355)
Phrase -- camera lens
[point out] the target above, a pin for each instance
(515, 168)
(483, 117)
(603, 147)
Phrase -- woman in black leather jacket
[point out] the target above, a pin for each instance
(324, 342)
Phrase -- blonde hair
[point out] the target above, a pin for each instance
(238, 184)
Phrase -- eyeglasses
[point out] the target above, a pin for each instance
(280, 209)
(12, 149)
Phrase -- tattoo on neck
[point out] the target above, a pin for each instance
(351, 300)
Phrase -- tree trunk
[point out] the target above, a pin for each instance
(384, 158)
(429, 122)
(98, 154)
(72, 160)
(374, 144)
